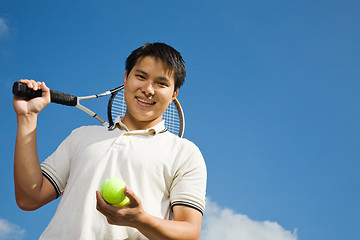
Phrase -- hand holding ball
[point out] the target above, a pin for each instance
(112, 191)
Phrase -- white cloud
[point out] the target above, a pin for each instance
(4, 29)
(10, 231)
(224, 224)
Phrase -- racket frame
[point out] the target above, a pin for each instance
(21, 90)
(90, 112)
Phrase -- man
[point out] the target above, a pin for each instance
(165, 175)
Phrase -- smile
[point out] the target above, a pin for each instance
(144, 101)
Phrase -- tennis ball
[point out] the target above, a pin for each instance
(112, 191)
(124, 202)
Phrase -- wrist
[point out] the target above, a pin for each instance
(29, 119)
(147, 223)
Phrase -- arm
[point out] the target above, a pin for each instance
(32, 190)
(186, 224)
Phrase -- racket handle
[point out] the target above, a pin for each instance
(21, 90)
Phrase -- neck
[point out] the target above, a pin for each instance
(134, 124)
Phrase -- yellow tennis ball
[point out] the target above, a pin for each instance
(112, 191)
(125, 202)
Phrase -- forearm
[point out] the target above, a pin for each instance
(156, 228)
(27, 172)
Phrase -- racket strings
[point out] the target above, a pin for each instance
(172, 120)
(118, 107)
(171, 114)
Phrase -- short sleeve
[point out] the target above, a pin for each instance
(189, 183)
(56, 168)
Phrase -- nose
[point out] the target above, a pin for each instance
(148, 89)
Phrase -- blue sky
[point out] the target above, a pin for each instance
(271, 98)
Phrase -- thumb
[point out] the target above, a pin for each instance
(45, 91)
(134, 200)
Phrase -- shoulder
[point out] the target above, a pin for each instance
(90, 132)
(178, 142)
(182, 149)
(90, 129)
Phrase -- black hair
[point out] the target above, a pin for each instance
(167, 54)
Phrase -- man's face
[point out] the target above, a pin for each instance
(149, 89)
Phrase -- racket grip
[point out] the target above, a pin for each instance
(21, 90)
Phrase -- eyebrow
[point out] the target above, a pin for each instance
(145, 73)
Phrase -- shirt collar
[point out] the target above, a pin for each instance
(158, 128)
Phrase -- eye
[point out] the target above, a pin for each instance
(163, 84)
(140, 76)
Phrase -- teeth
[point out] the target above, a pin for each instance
(144, 101)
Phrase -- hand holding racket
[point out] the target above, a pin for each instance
(23, 106)
(173, 115)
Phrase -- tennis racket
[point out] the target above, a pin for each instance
(173, 115)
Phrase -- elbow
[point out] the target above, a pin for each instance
(25, 207)
(26, 204)
(32, 200)
(197, 235)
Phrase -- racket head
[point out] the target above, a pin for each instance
(173, 115)
(174, 118)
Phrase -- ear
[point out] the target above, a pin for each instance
(125, 78)
(175, 94)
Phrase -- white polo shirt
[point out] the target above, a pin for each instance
(161, 168)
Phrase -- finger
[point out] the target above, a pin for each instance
(134, 200)
(45, 91)
(103, 206)
(33, 84)
(27, 82)
(24, 81)
(43, 87)
(100, 202)
(38, 85)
